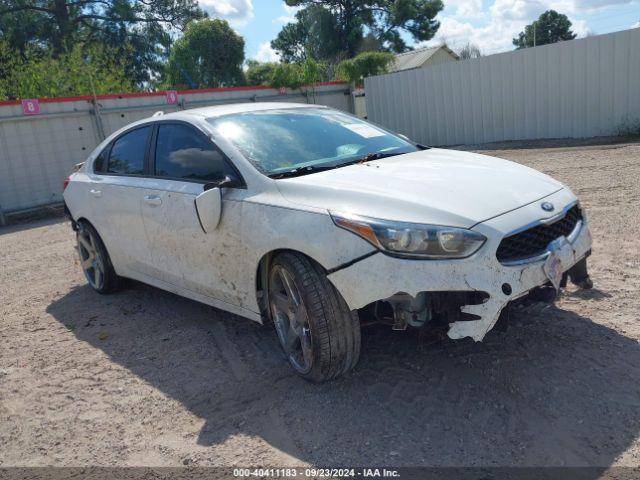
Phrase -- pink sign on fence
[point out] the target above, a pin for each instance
(31, 106)
(172, 97)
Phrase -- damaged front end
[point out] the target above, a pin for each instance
(437, 310)
(468, 295)
(425, 310)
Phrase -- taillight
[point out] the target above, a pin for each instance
(66, 183)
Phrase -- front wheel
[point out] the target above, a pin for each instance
(318, 333)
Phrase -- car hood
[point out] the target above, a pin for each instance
(436, 186)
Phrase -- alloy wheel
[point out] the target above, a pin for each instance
(90, 259)
(291, 320)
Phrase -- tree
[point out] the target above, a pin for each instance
(287, 75)
(21, 28)
(259, 73)
(366, 64)
(210, 54)
(386, 20)
(550, 27)
(314, 34)
(77, 72)
(470, 50)
(298, 75)
(139, 28)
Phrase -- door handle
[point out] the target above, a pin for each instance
(153, 200)
(95, 193)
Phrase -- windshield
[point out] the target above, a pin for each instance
(286, 140)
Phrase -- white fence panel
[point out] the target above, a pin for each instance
(37, 152)
(582, 88)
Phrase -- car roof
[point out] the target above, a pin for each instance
(219, 110)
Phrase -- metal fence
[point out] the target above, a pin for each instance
(38, 151)
(582, 88)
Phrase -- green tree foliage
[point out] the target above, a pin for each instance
(259, 73)
(287, 75)
(77, 72)
(138, 28)
(314, 34)
(366, 64)
(21, 28)
(304, 76)
(210, 54)
(338, 26)
(550, 27)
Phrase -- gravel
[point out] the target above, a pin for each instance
(146, 378)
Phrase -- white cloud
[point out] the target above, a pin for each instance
(291, 10)
(494, 29)
(581, 5)
(237, 12)
(266, 53)
(289, 14)
(636, 25)
(579, 27)
(284, 19)
(467, 8)
(495, 36)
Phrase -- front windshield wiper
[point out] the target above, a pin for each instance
(297, 172)
(374, 156)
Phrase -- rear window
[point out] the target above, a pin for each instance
(128, 152)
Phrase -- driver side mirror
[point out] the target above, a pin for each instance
(226, 182)
(209, 208)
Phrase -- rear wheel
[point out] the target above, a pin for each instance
(94, 260)
(318, 333)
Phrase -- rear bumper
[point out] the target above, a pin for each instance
(381, 276)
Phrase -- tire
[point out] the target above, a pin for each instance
(95, 261)
(302, 301)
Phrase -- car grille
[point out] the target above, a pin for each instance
(535, 240)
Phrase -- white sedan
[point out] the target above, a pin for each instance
(313, 220)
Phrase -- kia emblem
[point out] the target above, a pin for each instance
(547, 206)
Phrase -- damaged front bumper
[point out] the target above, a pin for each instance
(381, 276)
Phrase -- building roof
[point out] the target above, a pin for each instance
(416, 58)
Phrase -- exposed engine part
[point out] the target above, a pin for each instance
(408, 310)
(427, 308)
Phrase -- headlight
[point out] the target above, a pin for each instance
(412, 240)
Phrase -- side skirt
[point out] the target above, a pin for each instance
(198, 297)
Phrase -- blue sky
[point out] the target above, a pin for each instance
(490, 24)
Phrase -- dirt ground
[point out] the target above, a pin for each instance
(143, 377)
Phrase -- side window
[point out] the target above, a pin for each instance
(128, 152)
(101, 160)
(182, 152)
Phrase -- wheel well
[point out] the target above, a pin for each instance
(262, 272)
(85, 221)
